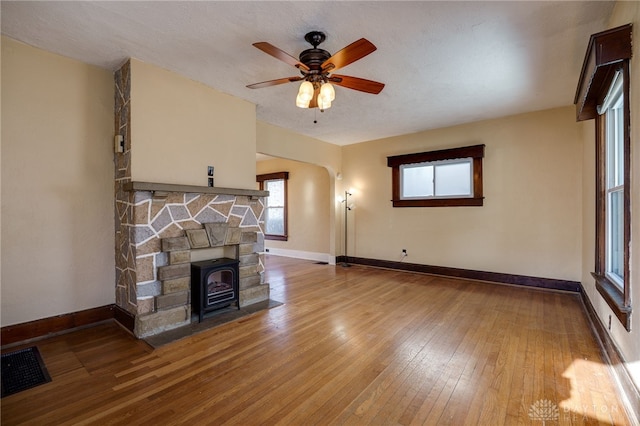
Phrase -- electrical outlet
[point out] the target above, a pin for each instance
(404, 252)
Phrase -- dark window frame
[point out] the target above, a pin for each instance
(607, 53)
(476, 152)
(284, 176)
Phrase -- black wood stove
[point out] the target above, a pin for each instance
(214, 285)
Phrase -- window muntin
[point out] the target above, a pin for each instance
(437, 179)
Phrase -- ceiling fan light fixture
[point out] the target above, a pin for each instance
(328, 92)
(306, 91)
(316, 66)
(323, 102)
(301, 102)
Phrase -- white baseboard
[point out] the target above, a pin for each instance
(299, 254)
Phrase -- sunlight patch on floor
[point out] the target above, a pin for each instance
(590, 404)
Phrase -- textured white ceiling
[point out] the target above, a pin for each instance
(443, 63)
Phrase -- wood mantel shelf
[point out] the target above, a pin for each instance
(169, 187)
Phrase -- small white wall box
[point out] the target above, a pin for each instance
(118, 141)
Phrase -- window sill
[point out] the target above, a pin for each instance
(275, 237)
(614, 298)
(439, 202)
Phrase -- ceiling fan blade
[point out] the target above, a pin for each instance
(356, 50)
(274, 82)
(270, 49)
(356, 83)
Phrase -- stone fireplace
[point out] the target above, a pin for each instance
(156, 228)
(154, 284)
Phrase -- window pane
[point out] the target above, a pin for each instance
(615, 139)
(615, 236)
(619, 151)
(453, 179)
(276, 193)
(274, 220)
(417, 181)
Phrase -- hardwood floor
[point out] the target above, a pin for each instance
(351, 345)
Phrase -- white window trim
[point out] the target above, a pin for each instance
(468, 160)
(271, 207)
(613, 100)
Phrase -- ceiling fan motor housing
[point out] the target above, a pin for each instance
(314, 58)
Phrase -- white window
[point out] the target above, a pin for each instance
(613, 111)
(437, 179)
(274, 214)
(275, 207)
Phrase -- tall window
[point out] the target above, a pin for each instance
(448, 177)
(603, 95)
(275, 213)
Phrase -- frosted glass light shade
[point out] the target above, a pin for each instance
(301, 102)
(328, 92)
(306, 91)
(323, 103)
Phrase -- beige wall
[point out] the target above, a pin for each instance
(308, 213)
(627, 342)
(57, 185)
(179, 127)
(283, 143)
(530, 223)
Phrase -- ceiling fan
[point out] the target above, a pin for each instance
(316, 66)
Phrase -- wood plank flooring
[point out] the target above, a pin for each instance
(348, 346)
